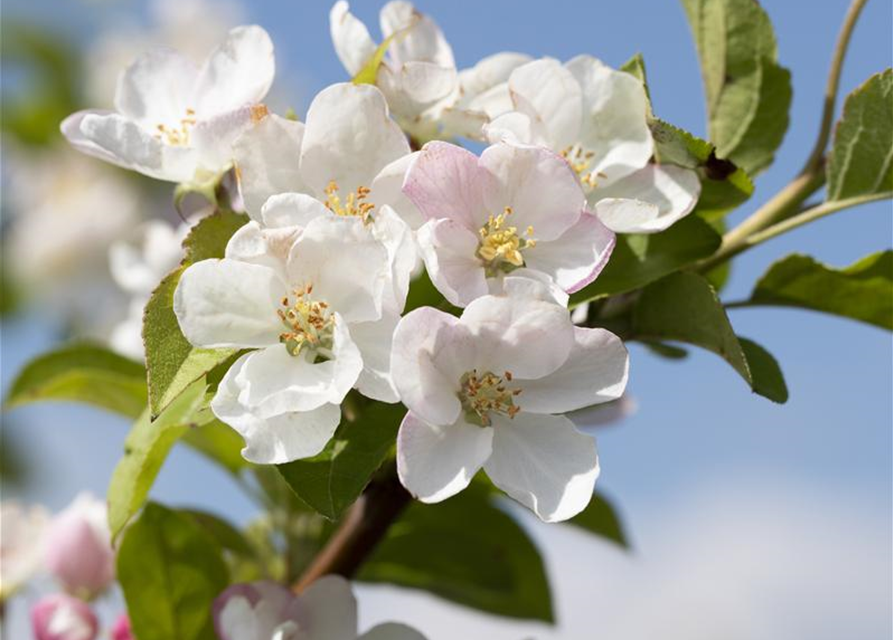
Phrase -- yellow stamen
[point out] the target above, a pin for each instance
(482, 394)
(581, 162)
(178, 137)
(354, 205)
(501, 246)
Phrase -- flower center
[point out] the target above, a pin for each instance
(354, 205)
(501, 246)
(485, 393)
(179, 136)
(580, 161)
(309, 323)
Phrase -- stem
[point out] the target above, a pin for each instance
(361, 530)
(833, 84)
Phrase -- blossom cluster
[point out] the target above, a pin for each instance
(348, 206)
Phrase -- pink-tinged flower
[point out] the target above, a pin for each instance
(20, 545)
(327, 610)
(121, 628)
(514, 207)
(78, 549)
(176, 121)
(487, 390)
(62, 617)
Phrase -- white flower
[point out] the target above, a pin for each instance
(138, 268)
(326, 610)
(174, 121)
(312, 309)
(515, 206)
(349, 156)
(483, 390)
(418, 73)
(20, 545)
(596, 117)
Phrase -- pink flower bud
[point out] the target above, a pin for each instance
(78, 548)
(62, 617)
(121, 628)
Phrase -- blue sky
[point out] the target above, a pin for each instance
(819, 465)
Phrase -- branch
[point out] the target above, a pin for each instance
(362, 529)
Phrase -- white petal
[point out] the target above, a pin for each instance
(238, 73)
(421, 83)
(544, 463)
(649, 200)
(226, 303)
(448, 249)
(330, 610)
(421, 40)
(291, 210)
(516, 128)
(528, 338)
(588, 419)
(391, 631)
(267, 157)
(547, 92)
(155, 89)
(436, 462)
(387, 189)
(400, 243)
(374, 340)
(527, 283)
(349, 138)
(595, 372)
(351, 38)
(489, 72)
(538, 185)
(577, 257)
(213, 137)
(346, 265)
(422, 388)
(262, 245)
(614, 126)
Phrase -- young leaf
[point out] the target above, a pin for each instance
(748, 93)
(861, 159)
(171, 570)
(82, 373)
(600, 519)
(173, 363)
(218, 442)
(863, 291)
(684, 307)
(638, 260)
(468, 551)
(331, 481)
(145, 450)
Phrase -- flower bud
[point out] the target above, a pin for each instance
(62, 617)
(78, 548)
(121, 628)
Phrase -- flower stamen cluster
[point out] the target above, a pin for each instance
(310, 324)
(501, 246)
(481, 394)
(178, 137)
(581, 163)
(354, 205)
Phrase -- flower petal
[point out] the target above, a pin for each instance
(391, 631)
(349, 138)
(436, 462)
(328, 610)
(448, 249)
(213, 137)
(351, 38)
(596, 372)
(403, 257)
(544, 463)
(155, 88)
(226, 303)
(262, 245)
(374, 340)
(577, 257)
(422, 39)
(548, 93)
(387, 189)
(649, 200)
(237, 73)
(291, 210)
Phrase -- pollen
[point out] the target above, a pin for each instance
(501, 244)
(309, 323)
(355, 204)
(177, 136)
(581, 162)
(486, 393)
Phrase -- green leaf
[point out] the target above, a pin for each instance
(600, 519)
(173, 364)
(861, 159)
(768, 381)
(218, 442)
(748, 93)
(331, 481)
(468, 551)
(225, 534)
(170, 570)
(145, 450)
(673, 145)
(863, 291)
(640, 259)
(684, 307)
(635, 66)
(82, 373)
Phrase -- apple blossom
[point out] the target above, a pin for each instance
(78, 549)
(486, 390)
(175, 121)
(20, 545)
(417, 74)
(515, 206)
(349, 156)
(596, 117)
(310, 303)
(62, 617)
(326, 610)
